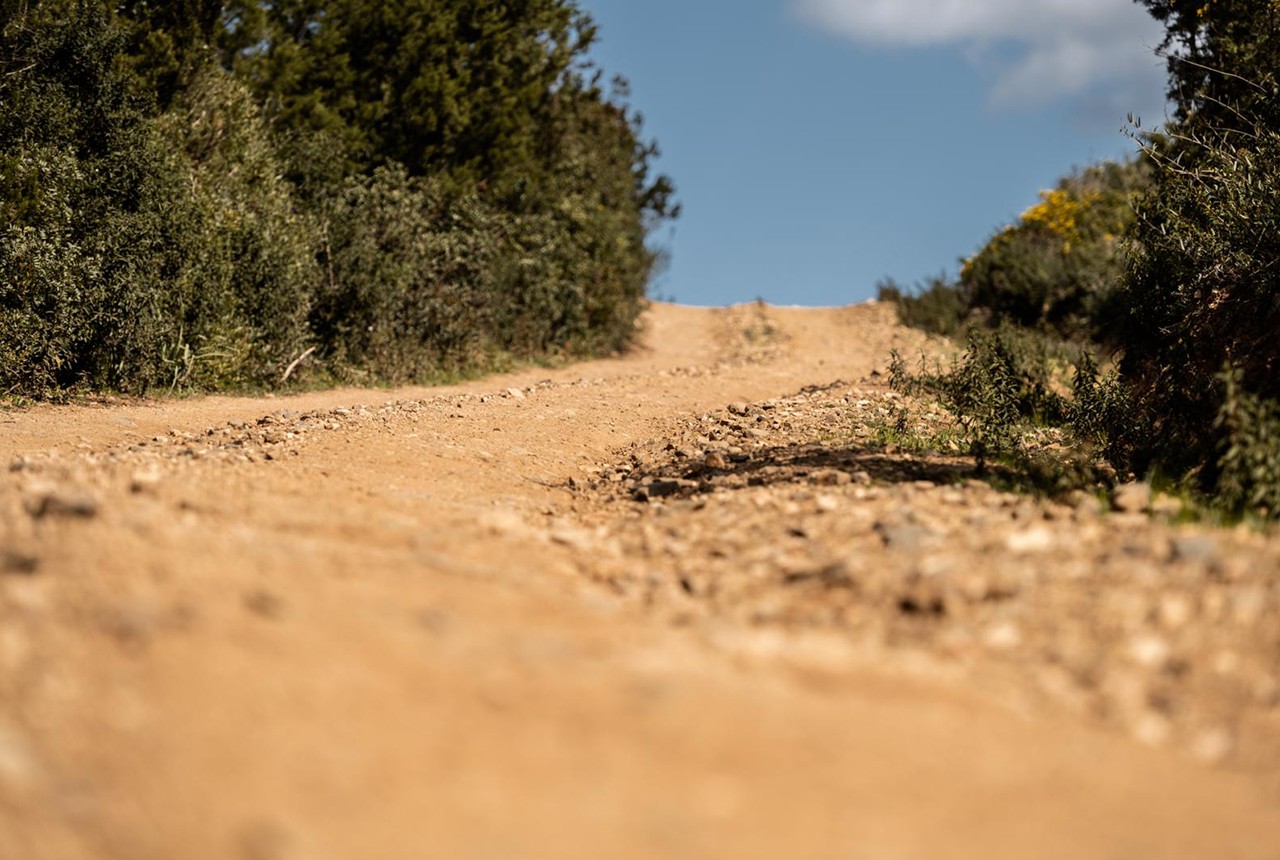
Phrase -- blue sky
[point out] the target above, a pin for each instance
(820, 145)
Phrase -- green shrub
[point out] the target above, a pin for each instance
(93, 200)
(409, 279)
(162, 227)
(1060, 266)
(1203, 290)
(938, 306)
(1001, 384)
(243, 297)
(1249, 465)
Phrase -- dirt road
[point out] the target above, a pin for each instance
(685, 603)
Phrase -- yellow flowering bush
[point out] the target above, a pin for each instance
(1058, 265)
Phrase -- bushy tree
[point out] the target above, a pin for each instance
(455, 86)
(195, 193)
(1203, 293)
(1059, 267)
(408, 278)
(1224, 62)
(92, 204)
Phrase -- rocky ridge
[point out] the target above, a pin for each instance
(793, 516)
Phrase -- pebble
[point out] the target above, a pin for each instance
(1176, 611)
(830, 478)
(1036, 539)
(662, 488)
(62, 503)
(1004, 636)
(1200, 549)
(145, 480)
(907, 538)
(1149, 651)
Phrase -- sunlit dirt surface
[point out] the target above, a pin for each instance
(678, 604)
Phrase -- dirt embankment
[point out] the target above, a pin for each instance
(683, 603)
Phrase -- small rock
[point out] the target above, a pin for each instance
(61, 503)
(144, 480)
(1175, 611)
(504, 521)
(1004, 636)
(827, 504)
(662, 488)
(1132, 498)
(831, 478)
(739, 408)
(574, 538)
(515, 393)
(1033, 540)
(716, 460)
(1194, 548)
(1149, 651)
(907, 538)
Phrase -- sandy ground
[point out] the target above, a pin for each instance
(675, 604)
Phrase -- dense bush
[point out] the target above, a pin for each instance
(1060, 266)
(1002, 383)
(244, 294)
(407, 279)
(1203, 291)
(96, 213)
(938, 306)
(1195, 319)
(197, 193)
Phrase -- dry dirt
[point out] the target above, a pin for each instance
(680, 604)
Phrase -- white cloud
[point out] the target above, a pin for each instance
(1036, 51)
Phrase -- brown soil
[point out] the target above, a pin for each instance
(683, 603)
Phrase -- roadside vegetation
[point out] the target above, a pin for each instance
(1133, 313)
(196, 195)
